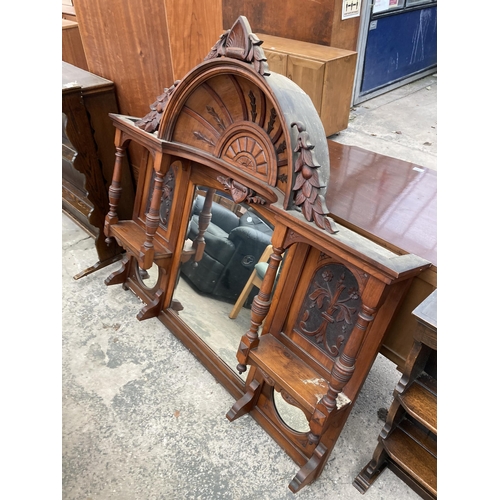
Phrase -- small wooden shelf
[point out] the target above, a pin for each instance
(289, 372)
(408, 442)
(412, 458)
(132, 236)
(421, 405)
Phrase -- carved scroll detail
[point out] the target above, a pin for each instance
(307, 185)
(151, 121)
(240, 43)
(289, 399)
(239, 192)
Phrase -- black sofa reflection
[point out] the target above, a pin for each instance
(233, 247)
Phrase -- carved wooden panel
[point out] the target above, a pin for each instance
(330, 307)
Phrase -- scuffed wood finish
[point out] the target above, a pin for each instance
(314, 21)
(314, 332)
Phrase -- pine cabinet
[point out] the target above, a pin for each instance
(326, 74)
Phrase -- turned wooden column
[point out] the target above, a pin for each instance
(203, 221)
(115, 189)
(260, 307)
(341, 373)
(146, 255)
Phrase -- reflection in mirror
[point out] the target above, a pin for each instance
(227, 246)
(150, 277)
(292, 416)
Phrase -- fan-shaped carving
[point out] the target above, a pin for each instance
(248, 153)
(247, 146)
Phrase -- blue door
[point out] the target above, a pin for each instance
(399, 45)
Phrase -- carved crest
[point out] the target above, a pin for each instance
(307, 185)
(240, 43)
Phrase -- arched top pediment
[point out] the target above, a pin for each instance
(232, 107)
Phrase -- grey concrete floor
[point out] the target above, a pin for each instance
(142, 419)
(401, 123)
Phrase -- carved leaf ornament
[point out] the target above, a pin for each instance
(240, 43)
(307, 184)
(151, 121)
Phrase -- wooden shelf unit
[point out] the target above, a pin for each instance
(408, 442)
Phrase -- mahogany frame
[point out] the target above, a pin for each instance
(232, 124)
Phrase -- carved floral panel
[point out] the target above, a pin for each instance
(330, 308)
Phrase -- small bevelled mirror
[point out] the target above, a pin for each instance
(148, 278)
(292, 416)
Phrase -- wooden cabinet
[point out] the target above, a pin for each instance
(88, 154)
(72, 47)
(326, 74)
(408, 441)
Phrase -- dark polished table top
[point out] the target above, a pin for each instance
(391, 201)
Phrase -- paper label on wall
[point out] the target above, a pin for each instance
(380, 5)
(350, 8)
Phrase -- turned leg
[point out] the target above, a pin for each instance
(203, 221)
(115, 190)
(341, 373)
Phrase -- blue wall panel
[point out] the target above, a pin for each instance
(399, 46)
